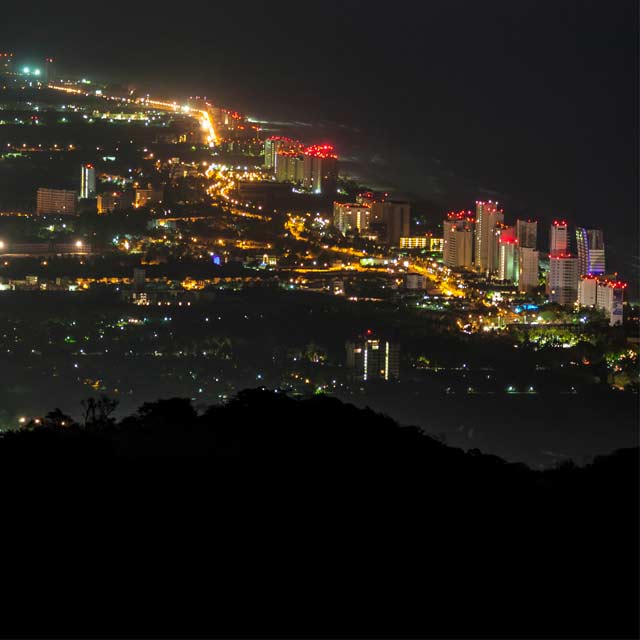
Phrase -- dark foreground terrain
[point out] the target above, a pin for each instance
(285, 518)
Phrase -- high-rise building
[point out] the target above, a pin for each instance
(590, 243)
(488, 216)
(395, 217)
(587, 291)
(289, 166)
(604, 294)
(87, 181)
(563, 279)
(508, 256)
(610, 298)
(500, 232)
(559, 238)
(351, 217)
(528, 260)
(320, 169)
(270, 152)
(60, 201)
(274, 145)
(373, 358)
(527, 233)
(458, 240)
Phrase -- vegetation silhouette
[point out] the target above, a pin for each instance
(271, 516)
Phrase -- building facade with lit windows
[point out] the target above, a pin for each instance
(562, 284)
(508, 257)
(588, 291)
(417, 242)
(87, 181)
(604, 294)
(147, 196)
(373, 358)
(349, 217)
(289, 166)
(590, 243)
(559, 238)
(320, 169)
(428, 242)
(457, 247)
(610, 298)
(500, 233)
(488, 217)
(528, 269)
(56, 201)
(274, 145)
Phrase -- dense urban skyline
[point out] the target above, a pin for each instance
(346, 293)
(558, 82)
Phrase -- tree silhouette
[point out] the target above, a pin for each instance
(98, 412)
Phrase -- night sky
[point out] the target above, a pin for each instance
(533, 102)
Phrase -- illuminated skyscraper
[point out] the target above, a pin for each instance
(508, 256)
(610, 297)
(563, 279)
(559, 238)
(351, 217)
(320, 169)
(87, 181)
(274, 145)
(527, 233)
(373, 358)
(488, 216)
(270, 152)
(458, 239)
(528, 260)
(499, 232)
(590, 245)
(289, 166)
(604, 294)
(587, 291)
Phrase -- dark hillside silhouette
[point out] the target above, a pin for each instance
(277, 517)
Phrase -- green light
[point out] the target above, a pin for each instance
(36, 72)
(25, 70)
